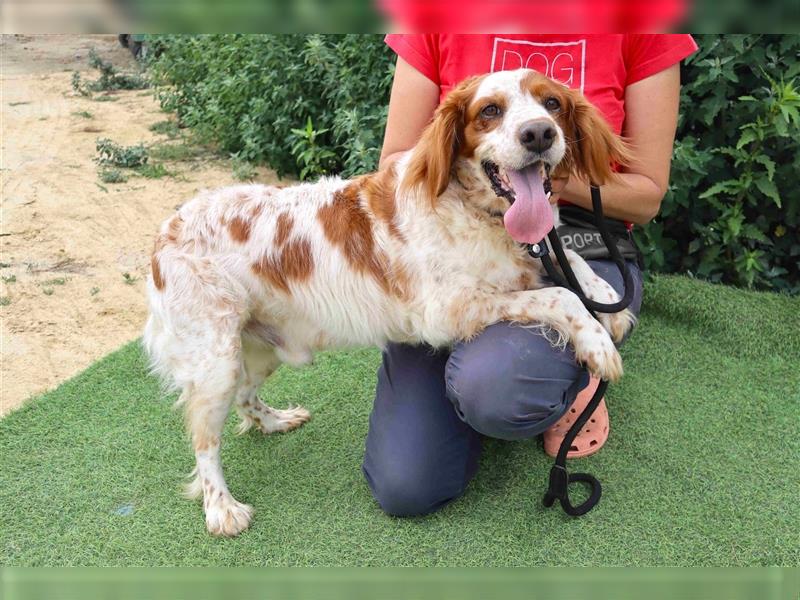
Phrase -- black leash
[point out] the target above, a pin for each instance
(560, 478)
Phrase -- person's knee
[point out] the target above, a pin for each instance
(491, 402)
(404, 494)
(514, 391)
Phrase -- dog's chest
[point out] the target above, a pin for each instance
(485, 260)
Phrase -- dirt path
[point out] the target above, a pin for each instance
(67, 240)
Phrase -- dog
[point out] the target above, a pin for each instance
(247, 277)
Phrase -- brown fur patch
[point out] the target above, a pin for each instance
(283, 227)
(171, 236)
(347, 226)
(433, 156)
(239, 229)
(379, 190)
(174, 227)
(256, 209)
(526, 281)
(476, 124)
(158, 278)
(294, 263)
(203, 444)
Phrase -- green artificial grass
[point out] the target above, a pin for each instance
(702, 466)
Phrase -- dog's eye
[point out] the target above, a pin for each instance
(552, 104)
(490, 111)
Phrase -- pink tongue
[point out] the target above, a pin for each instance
(530, 217)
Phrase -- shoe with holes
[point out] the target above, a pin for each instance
(594, 433)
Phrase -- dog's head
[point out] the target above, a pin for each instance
(512, 129)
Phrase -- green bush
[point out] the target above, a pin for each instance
(110, 153)
(305, 105)
(110, 79)
(732, 214)
(313, 105)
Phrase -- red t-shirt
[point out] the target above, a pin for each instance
(539, 16)
(600, 65)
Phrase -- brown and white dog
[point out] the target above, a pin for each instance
(245, 278)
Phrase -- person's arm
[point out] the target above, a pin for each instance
(651, 117)
(411, 106)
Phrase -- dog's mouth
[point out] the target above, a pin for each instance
(528, 190)
(501, 183)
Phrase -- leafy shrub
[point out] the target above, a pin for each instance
(243, 170)
(311, 105)
(255, 95)
(154, 171)
(79, 86)
(168, 128)
(732, 214)
(176, 152)
(110, 79)
(112, 154)
(111, 175)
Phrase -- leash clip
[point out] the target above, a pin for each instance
(538, 250)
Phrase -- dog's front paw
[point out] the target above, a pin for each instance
(594, 348)
(618, 324)
(225, 516)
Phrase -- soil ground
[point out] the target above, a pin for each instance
(74, 252)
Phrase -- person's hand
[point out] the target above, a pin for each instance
(557, 185)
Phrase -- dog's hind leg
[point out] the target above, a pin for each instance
(259, 363)
(208, 398)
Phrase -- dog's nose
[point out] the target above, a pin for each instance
(537, 135)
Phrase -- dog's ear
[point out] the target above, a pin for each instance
(595, 147)
(433, 156)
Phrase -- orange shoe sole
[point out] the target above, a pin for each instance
(594, 433)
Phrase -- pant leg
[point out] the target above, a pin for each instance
(419, 454)
(511, 383)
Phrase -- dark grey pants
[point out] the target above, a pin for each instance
(431, 407)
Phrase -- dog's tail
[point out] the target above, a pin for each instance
(159, 340)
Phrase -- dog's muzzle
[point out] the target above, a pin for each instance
(506, 191)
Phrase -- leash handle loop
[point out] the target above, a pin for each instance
(559, 490)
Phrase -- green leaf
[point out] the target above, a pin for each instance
(754, 233)
(768, 163)
(769, 189)
(790, 114)
(748, 135)
(722, 186)
(734, 224)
